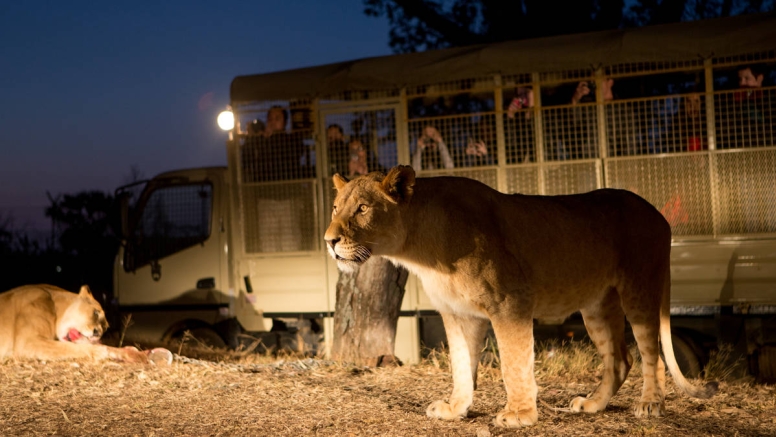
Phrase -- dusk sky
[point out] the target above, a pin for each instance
(89, 89)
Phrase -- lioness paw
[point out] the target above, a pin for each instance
(131, 354)
(585, 405)
(443, 410)
(516, 419)
(647, 409)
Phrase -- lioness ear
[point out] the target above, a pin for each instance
(339, 181)
(399, 183)
(85, 291)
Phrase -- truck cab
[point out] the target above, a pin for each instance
(171, 270)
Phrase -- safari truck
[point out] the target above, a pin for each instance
(662, 111)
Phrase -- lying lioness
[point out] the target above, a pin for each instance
(48, 323)
(483, 255)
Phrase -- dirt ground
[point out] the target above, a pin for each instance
(258, 396)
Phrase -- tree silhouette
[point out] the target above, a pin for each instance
(24, 259)
(85, 235)
(87, 222)
(87, 226)
(418, 25)
(6, 233)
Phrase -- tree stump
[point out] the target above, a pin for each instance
(367, 310)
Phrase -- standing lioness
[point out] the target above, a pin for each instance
(48, 323)
(483, 255)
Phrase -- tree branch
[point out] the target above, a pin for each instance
(449, 30)
(669, 11)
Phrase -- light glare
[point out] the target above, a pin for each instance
(226, 120)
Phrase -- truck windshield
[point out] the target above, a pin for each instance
(171, 219)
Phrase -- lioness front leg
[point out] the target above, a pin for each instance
(516, 350)
(465, 337)
(34, 346)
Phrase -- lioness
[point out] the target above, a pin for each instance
(483, 255)
(48, 323)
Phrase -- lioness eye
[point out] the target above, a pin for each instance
(362, 208)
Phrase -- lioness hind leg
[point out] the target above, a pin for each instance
(606, 328)
(465, 337)
(652, 401)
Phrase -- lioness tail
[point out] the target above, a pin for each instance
(701, 392)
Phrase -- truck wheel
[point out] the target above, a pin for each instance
(688, 360)
(206, 336)
(766, 363)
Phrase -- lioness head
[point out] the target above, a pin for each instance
(83, 321)
(366, 218)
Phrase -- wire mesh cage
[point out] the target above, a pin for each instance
(523, 180)
(360, 142)
(486, 176)
(745, 118)
(280, 217)
(687, 135)
(570, 132)
(657, 125)
(746, 195)
(571, 178)
(678, 186)
(640, 68)
(453, 141)
(359, 96)
(566, 75)
(277, 160)
(519, 120)
(453, 87)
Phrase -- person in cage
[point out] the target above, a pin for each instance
(756, 120)
(622, 123)
(625, 124)
(751, 77)
(357, 162)
(519, 127)
(570, 132)
(255, 127)
(688, 126)
(746, 121)
(431, 152)
(584, 92)
(361, 160)
(275, 154)
(338, 150)
(478, 150)
(749, 121)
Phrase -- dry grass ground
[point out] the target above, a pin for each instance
(252, 395)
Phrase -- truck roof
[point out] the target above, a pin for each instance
(686, 41)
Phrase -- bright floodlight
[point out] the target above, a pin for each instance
(226, 120)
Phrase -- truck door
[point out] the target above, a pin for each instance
(174, 259)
